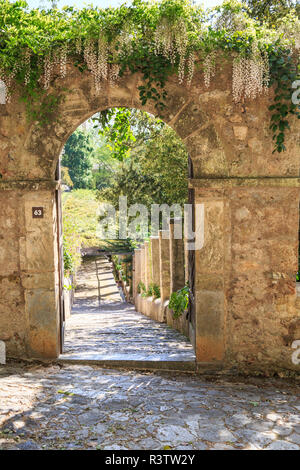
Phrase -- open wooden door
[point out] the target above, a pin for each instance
(60, 259)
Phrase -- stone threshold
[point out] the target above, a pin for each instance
(200, 368)
(176, 366)
(179, 366)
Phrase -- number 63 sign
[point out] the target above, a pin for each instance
(37, 212)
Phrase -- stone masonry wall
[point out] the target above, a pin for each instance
(28, 274)
(246, 313)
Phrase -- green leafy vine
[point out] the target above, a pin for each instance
(284, 73)
(153, 39)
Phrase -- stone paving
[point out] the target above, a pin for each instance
(103, 326)
(85, 407)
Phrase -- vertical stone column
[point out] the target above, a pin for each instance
(245, 272)
(140, 300)
(144, 256)
(177, 271)
(142, 264)
(39, 273)
(262, 319)
(164, 271)
(147, 265)
(136, 272)
(155, 267)
(186, 262)
(155, 260)
(212, 266)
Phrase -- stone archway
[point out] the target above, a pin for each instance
(245, 289)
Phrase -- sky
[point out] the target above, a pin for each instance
(105, 3)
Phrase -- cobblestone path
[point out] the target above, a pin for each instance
(83, 407)
(104, 327)
(86, 407)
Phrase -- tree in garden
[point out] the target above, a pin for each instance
(77, 157)
(155, 167)
(65, 177)
(271, 10)
(104, 163)
(124, 130)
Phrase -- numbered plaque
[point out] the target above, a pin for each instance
(37, 212)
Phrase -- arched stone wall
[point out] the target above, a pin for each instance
(245, 290)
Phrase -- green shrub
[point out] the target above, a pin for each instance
(179, 301)
(68, 262)
(141, 288)
(153, 291)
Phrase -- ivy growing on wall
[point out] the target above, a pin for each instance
(155, 39)
(284, 73)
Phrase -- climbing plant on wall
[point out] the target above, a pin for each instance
(154, 39)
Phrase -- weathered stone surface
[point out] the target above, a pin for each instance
(240, 132)
(282, 445)
(81, 407)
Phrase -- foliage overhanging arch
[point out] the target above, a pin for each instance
(154, 39)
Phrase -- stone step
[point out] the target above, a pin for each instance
(179, 366)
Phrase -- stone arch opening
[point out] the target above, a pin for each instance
(153, 307)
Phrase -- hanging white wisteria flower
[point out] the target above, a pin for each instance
(89, 54)
(190, 67)
(251, 75)
(114, 73)
(125, 40)
(101, 70)
(253, 78)
(3, 92)
(97, 60)
(102, 58)
(48, 68)
(181, 42)
(27, 64)
(250, 78)
(238, 83)
(7, 80)
(78, 45)
(163, 41)
(171, 40)
(266, 71)
(90, 57)
(63, 56)
(209, 67)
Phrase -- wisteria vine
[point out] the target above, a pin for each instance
(155, 39)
